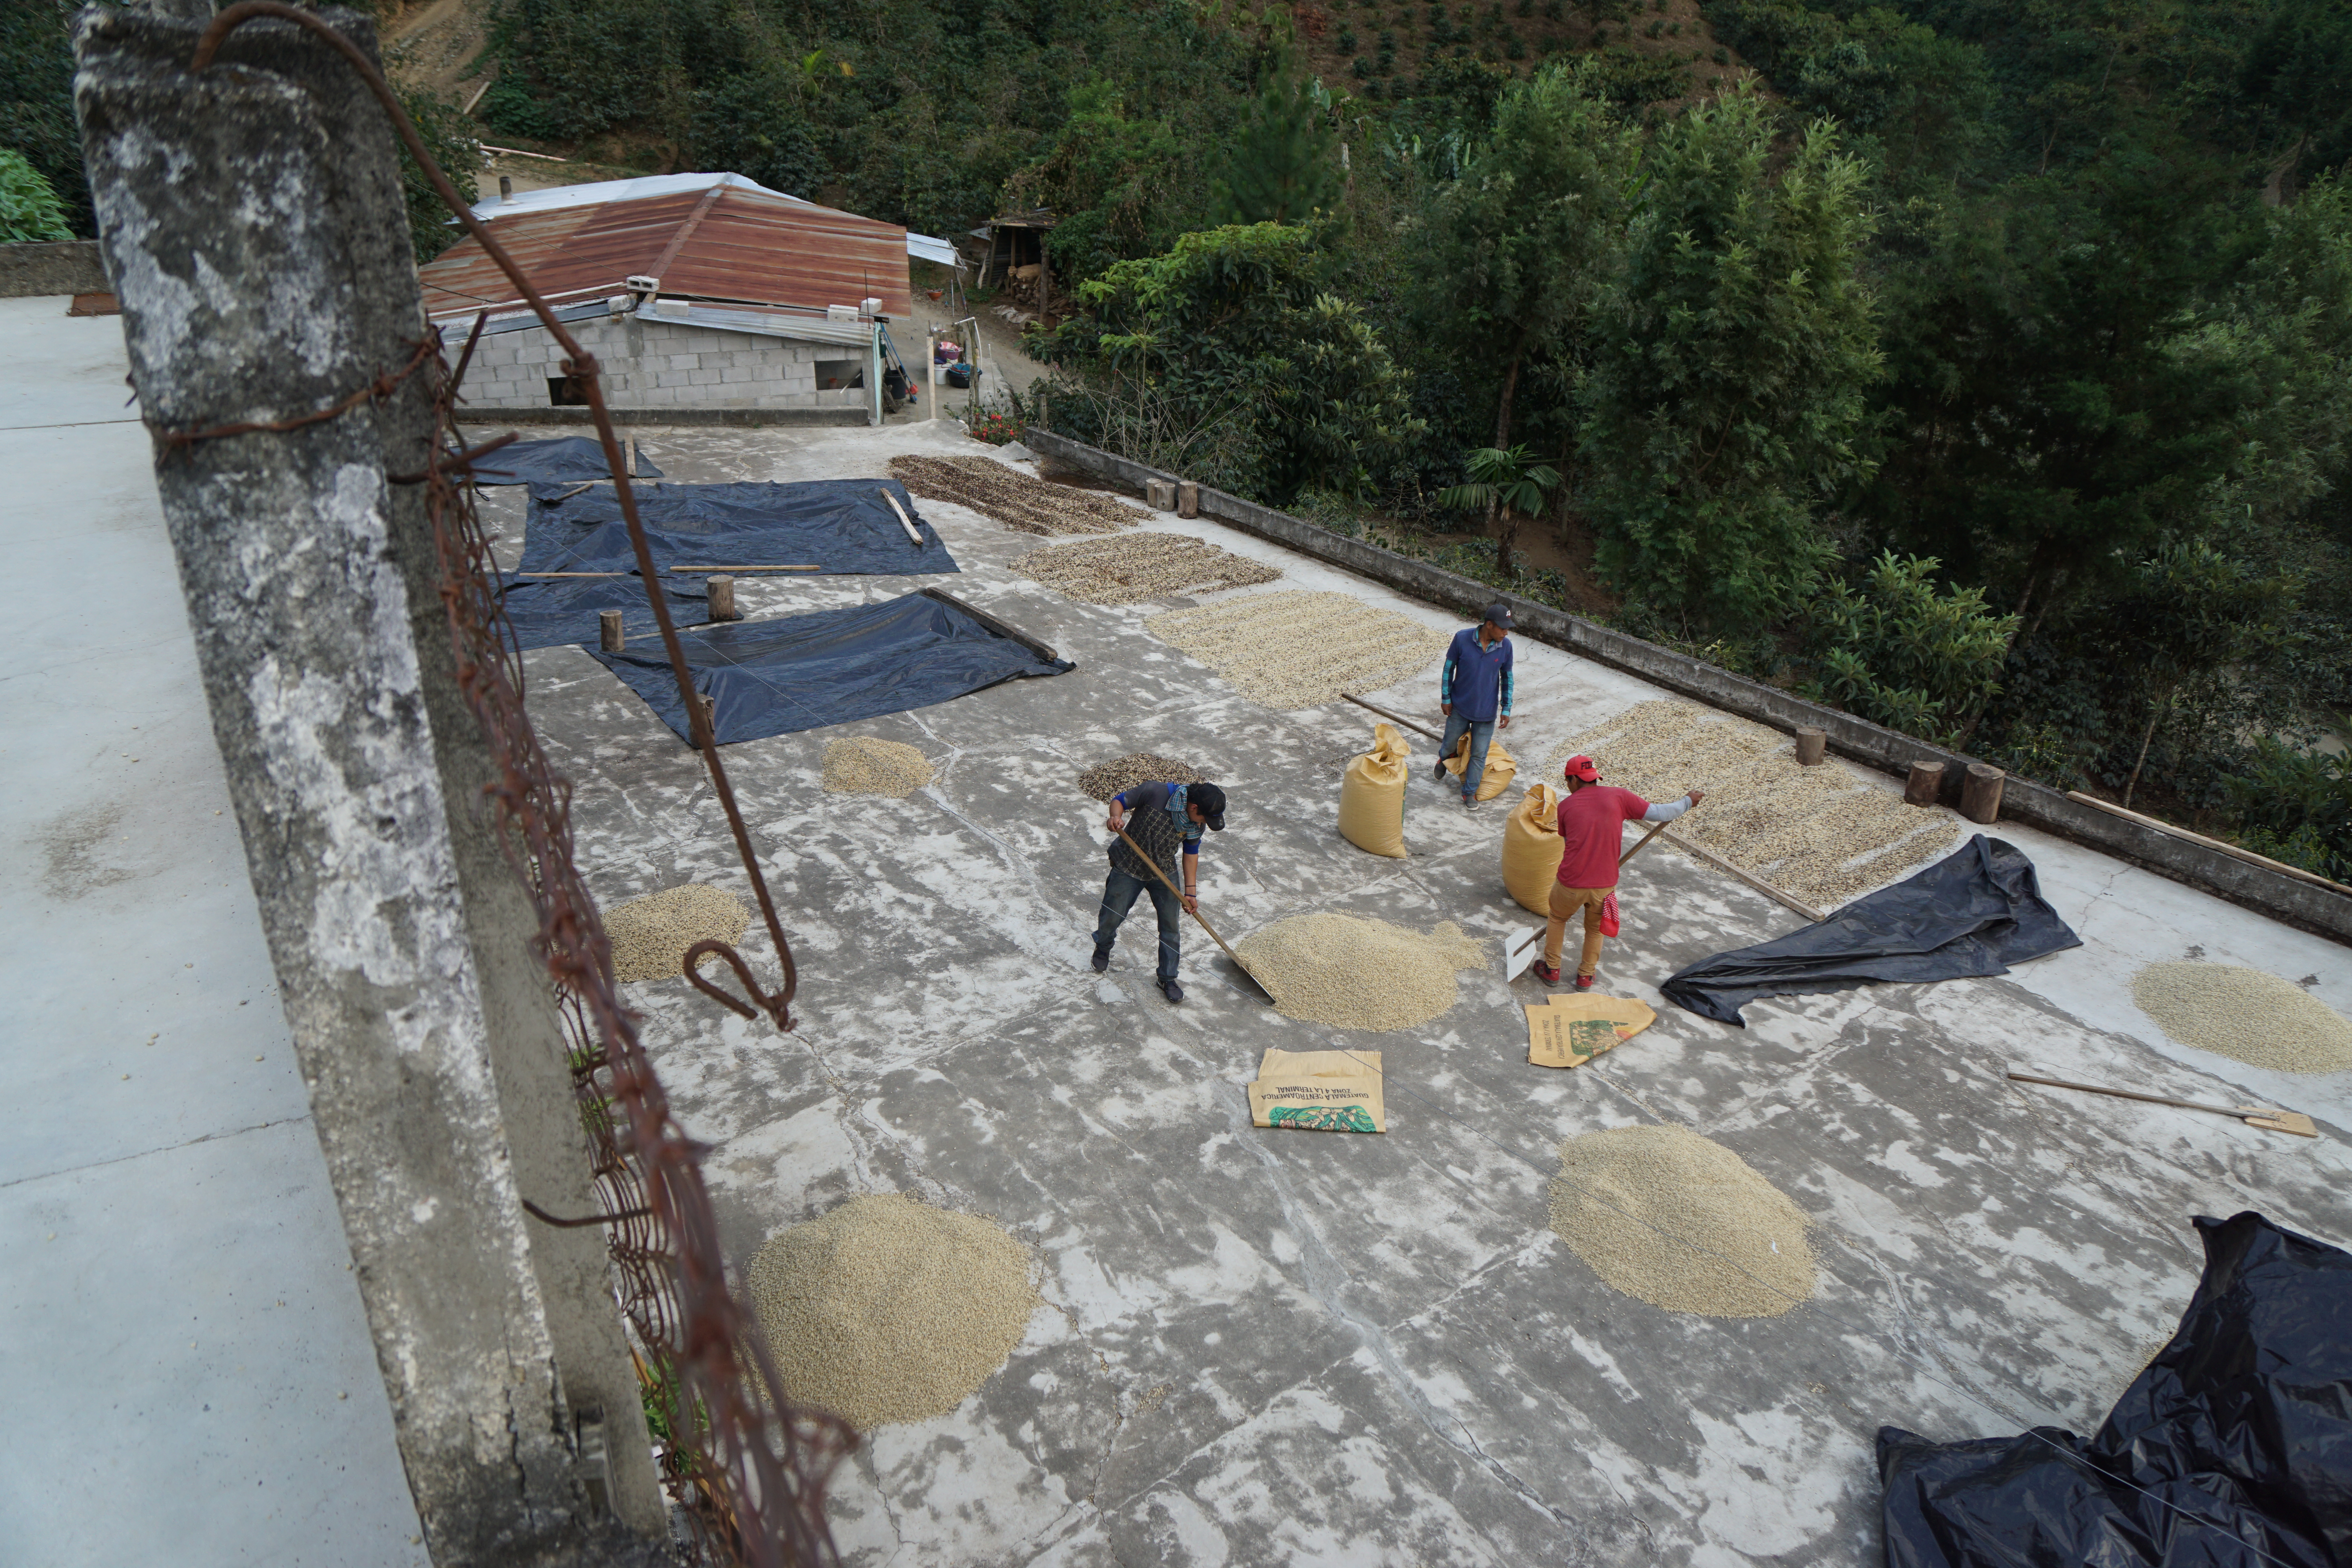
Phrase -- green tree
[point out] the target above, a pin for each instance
(2190, 614)
(751, 124)
(1506, 480)
(37, 113)
(448, 137)
(28, 208)
(1283, 166)
(1729, 367)
(1917, 105)
(2297, 79)
(1117, 183)
(2296, 807)
(1233, 335)
(1522, 244)
(1900, 653)
(2055, 409)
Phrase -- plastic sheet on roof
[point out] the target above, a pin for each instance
(803, 672)
(2229, 1451)
(838, 525)
(566, 459)
(547, 612)
(1976, 912)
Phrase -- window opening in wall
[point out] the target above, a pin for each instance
(565, 392)
(834, 374)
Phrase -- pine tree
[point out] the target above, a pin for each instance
(1283, 165)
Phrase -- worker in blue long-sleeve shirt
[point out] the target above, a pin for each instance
(1475, 691)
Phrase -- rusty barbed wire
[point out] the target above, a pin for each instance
(750, 1479)
(747, 1470)
(385, 383)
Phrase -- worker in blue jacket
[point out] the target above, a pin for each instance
(1475, 692)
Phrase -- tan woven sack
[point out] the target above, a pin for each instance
(1371, 801)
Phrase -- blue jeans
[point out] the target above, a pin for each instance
(1119, 897)
(1482, 735)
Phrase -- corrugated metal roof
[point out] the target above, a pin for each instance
(713, 239)
(924, 248)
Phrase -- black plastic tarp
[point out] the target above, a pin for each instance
(838, 525)
(567, 459)
(2232, 1450)
(1976, 912)
(773, 677)
(547, 612)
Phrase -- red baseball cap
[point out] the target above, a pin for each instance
(1582, 768)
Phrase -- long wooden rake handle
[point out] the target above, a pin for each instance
(1196, 913)
(2240, 1112)
(1637, 848)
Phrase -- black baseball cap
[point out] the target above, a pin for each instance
(1500, 614)
(1211, 802)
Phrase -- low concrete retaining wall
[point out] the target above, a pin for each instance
(60, 267)
(2282, 898)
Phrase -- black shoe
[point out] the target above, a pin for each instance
(1440, 775)
(1102, 959)
(1170, 989)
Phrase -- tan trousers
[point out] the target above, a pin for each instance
(1566, 901)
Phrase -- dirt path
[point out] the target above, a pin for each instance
(434, 45)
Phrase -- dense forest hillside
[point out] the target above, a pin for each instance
(1984, 366)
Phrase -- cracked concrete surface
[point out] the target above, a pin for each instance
(1286, 1348)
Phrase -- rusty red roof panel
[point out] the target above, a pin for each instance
(744, 245)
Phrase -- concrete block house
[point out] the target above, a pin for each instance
(693, 291)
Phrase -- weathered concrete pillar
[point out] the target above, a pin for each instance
(252, 218)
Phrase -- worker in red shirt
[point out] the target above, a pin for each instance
(1591, 830)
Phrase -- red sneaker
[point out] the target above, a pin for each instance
(1545, 972)
(1584, 983)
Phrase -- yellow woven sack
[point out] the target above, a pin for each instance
(1371, 801)
(1501, 767)
(1531, 847)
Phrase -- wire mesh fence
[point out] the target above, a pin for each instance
(747, 1470)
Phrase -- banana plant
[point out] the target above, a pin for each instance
(1506, 480)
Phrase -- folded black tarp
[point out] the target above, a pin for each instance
(2232, 1450)
(1976, 911)
(839, 525)
(567, 459)
(772, 677)
(549, 612)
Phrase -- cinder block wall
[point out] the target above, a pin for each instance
(660, 365)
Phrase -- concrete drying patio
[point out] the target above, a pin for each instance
(1294, 1348)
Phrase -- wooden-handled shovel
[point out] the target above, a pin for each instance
(1206, 926)
(2269, 1118)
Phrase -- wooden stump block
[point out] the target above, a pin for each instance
(1925, 783)
(1811, 746)
(608, 631)
(721, 588)
(1188, 498)
(1981, 793)
(1160, 493)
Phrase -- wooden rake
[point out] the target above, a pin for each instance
(1206, 926)
(2266, 1117)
